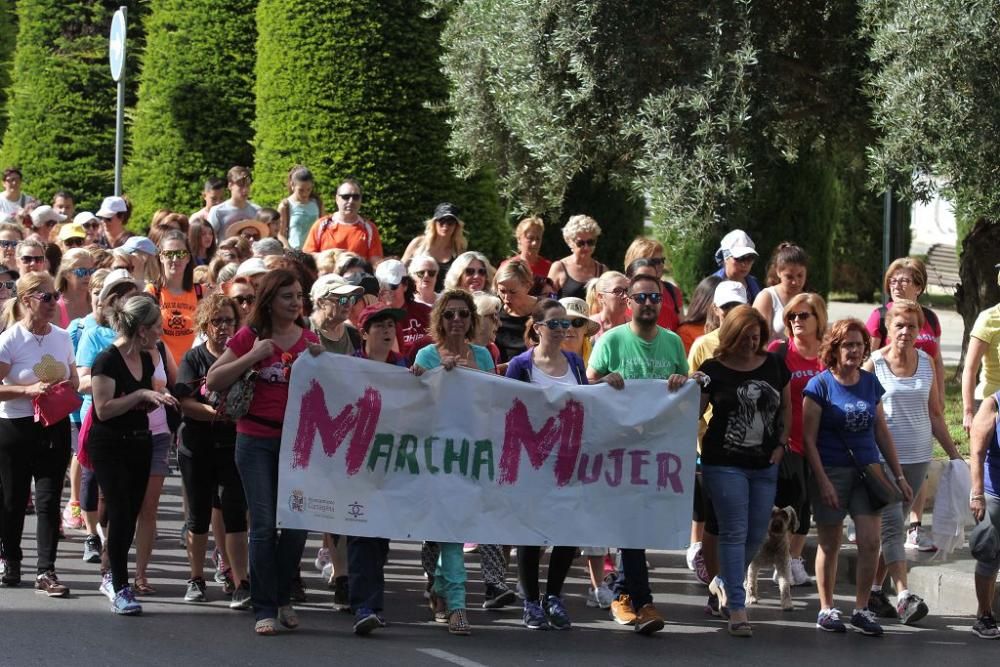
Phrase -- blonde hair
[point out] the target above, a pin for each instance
(28, 284)
(421, 260)
(458, 241)
(642, 247)
(451, 281)
(11, 227)
(815, 303)
(514, 269)
(579, 224)
(915, 267)
(487, 304)
(326, 261)
(69, 261)
(600, 284)
(903, 307)
(525, 224)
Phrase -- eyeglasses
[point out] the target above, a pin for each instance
(45, 297)
(247, 300)
(174, 255)
(642, 297)
(350, 196)
(556, 324)
(470, 272)
(220, 322)
(902, 282)
(428, 273)
(804, 315)
(32, 259)
(583, 243)
(348, 300)
(83, 273)
(8, 284)
(452, 314)
(620, 292)
(93, 224)
(7, 245)
(74, 243)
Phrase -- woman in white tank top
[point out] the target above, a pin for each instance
(786, 277)
(914, 414)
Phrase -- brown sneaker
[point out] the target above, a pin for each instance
(48, 583)
(648, 620)
(621, 610)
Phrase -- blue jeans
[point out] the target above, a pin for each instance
(274, 556)
(366, 558)
(742, 499)
(633, 579)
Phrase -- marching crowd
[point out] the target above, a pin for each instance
(116, 348)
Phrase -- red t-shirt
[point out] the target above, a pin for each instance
(927, 337)
(270, 393)
(802, 371)
(412, 327)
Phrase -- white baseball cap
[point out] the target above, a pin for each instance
(45, 214)
(116, 277)
(251, 267)
(738, 244)
(332, 284)
(730, 291)
(390, 272)
(112, 206)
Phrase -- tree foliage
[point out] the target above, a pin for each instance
(61, 110)
(354, 88)
(195, 104)
(8, 37)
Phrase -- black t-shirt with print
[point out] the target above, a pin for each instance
(197, 435)
(746, 413)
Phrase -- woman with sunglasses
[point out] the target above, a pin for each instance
(578, 339)
(35, 357)
(645, 252)
(545, 364)
(332, 299)
(10, 236)
(31, 256)
(271, 340)
(176, 293)
(805, 323)
(571, 274)
(206, 455)
(424, 271)
(242, 291)
(453, 326)
(73, 284)
(443, 239)
(607, 298)
(512, 283)
(470, 271)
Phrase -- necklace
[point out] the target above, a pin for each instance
(39, 338)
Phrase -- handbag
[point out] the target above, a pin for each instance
(239, 396)
(56, 403)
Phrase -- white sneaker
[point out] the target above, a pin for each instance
(106, 587)
(718, 589)
(600, 597)
(799, 575)
(918, 540)
(692, 551)
(911, 609)
(322, 558)
(852, 533)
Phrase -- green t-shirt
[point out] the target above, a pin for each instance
(620, 351)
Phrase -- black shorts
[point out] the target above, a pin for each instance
(793, 489)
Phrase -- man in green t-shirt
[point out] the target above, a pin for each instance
(638, 350)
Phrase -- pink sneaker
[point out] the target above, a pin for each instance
(470, 547)
(72, 516)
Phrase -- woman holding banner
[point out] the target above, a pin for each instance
(274, 336)
(544, 363)
(453, 325)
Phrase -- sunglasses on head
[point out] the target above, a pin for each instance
(245, 300)
(642, 297)
(452, 314)
(45, 297)
(350, 196)
(83, 273)
(32, 259)
(426, 273)
(585, 243)
(173, 255)
(470, 272)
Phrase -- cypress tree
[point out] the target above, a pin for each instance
(354, 88)
(61, 109)
(8, 37)
(195, 104)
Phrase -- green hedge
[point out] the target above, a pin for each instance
(354, 88)
(61, 113)
(195, 104)
(8, 37)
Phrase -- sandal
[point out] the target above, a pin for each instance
(437, 608)
(741, 629)
(266, 627)
(458, 623)
(141, 587)
(287, 617)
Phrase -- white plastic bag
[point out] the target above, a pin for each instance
(951, 508)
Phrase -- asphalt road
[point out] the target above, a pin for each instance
(81, 631)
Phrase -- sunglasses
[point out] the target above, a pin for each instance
(446, 221)
(452, 314)
(32, 259)
(7, 245)
(83, 273)
(220, 322)
(74, 243)
(470, 272)
(429, 273)
(642, 297)
(655, 261)
(45, 297)
(93, 224)
(174, 255)
(8, 284)
(804, 315)
(585, 243)
(247, 300)
(348, 300)
(556, 324)
(620, 292)
(251, 236)
(351, 196)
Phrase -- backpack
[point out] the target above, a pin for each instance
(672, 291)
(929, 315)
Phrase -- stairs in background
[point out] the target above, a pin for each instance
(942, 269)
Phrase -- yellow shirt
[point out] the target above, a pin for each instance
(702, 350)
(987, 329)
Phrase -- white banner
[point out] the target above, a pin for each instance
(464, 456)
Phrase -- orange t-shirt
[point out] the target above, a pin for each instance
(360, 237)
(178, 319)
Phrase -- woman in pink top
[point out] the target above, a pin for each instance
(274, 336)
(73, 285)
(805, 323)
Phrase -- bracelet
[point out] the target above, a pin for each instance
(976, 496)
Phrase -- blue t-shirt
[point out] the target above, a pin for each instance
(848, 418)
(75, 329)
(991, 475)
(753, 287)
(94, 341)
(428, 357)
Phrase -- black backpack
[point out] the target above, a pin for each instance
(929, 315)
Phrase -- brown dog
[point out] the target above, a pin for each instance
(774, 553)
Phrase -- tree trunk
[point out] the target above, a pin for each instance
(977, 268)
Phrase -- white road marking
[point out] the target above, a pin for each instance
(450, 657)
